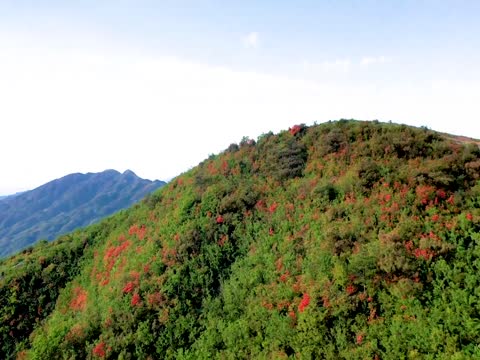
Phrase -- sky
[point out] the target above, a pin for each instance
(156, 86)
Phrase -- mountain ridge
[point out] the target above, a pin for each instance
(63, 204)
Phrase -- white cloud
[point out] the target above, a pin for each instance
(251, 40)
(372, 60)
(342, 66)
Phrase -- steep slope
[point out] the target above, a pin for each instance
(345, 240)
(67, 203)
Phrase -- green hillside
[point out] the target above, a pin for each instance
(345, 240)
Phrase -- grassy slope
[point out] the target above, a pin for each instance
(344, 240)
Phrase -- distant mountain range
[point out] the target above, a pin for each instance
(2, 197)
(65, 204)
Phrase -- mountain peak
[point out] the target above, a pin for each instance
(129, 172)
(342, 240)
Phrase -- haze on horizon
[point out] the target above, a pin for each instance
(156, 87)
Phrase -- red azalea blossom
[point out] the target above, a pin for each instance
(359, 339)
(273, 207)
(295, 129)
(133, 229)
(141, 232)
(409, 245)
(451, 200)
(426, 254)
(469, 217)
(304, 303)
(128, 288)
(219, 219)
(135, 300)
(441, 194)
(284, 276)
(79, 300)
(99, 350)
(351, 289)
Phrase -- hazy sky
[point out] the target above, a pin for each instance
(156, 86)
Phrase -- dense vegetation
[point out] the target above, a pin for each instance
(65, 204)
(351, 240)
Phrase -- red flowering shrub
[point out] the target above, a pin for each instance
(425, 193)
(304, 303)
(284, 277)
(351, 289)
(426, 254)
(273, 207)
(295, 129)
(146, 268)
(99, 350)
(79, 299)
(220, 219)
(141, 232)
(129, 287)
(135, 300)
(133, 230)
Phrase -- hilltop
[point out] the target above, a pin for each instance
(344, 240)
(64, 204)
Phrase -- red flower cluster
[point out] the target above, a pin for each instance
(426, 254)
(128, 288)
(351, 289)
(273, 207)
(113, 252)
(79, 300)
(304, 303)
(220, 219)
(295, 129)
(284, 277)
(139, 231)
(425, 192)
(135, 300)
(99, 350)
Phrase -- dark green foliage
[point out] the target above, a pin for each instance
(284, 156)
(65, 204)
(369, 173)
(346, 240)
